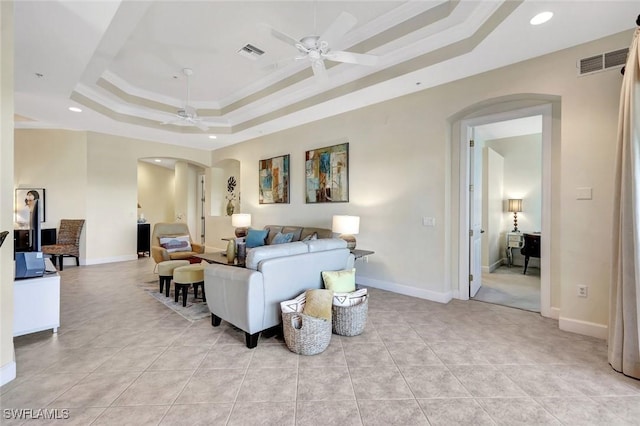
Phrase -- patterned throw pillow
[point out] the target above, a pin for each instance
(294, 305)
(340, 281)
(256, 237)
(173, 244)
(349, 299)
(311, 237)
(281, 238)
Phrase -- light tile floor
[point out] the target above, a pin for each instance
(122, 358)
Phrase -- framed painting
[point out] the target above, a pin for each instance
(327, 174)
(273, 175)
(24, 204)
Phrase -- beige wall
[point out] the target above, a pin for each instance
(401, 155)
(155, 192)
(7, 363)
(97, 181)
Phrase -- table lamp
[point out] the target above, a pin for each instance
(241, 221)
(347, 227)
(515, 206)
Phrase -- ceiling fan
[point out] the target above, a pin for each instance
(187, 115)
(318, 48)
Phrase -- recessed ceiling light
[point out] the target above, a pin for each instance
(75, 109)
(213, 137)
(541, 18)
(157, 160)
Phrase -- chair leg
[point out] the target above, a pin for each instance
(61, 262)
(77, 261)
(195, 290)
(526, 263)
(185, 290)
(167, 281)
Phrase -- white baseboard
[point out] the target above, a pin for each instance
(585, 328)
(489, 269)
(406, 290)
(554, 313)
(7, 373)
(114, 259)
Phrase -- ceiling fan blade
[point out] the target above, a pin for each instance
(342, 25)
(319, 70)
(200, 126)
(351, 58)
(284, 37)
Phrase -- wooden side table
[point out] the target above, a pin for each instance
(359, 254)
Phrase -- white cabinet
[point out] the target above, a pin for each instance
(36, 304)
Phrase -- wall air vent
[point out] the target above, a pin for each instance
(250, 51)
(602, 62)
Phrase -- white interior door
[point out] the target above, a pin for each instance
(475, 215)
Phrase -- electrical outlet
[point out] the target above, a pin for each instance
(583, 291)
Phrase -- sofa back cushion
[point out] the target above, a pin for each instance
(299, 232)
(325, 244)
(258, 254)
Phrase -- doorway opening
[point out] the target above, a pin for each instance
(506, 160)
(509, 159)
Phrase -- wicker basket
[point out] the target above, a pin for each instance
(350, 320)
(305, 335)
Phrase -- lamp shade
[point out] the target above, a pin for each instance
(515, 205)
(241, 220)
(346, 224)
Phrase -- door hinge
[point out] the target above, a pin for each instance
(471, 232)
(470, 277)
(471, 188)
(472, 143)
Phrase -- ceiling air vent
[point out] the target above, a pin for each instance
(250, 51)
(603, 61)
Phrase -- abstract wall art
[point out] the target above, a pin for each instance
(327, 174)
(273, 175)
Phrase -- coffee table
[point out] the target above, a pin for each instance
(220, 257)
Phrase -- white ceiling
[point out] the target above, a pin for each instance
(122, 61)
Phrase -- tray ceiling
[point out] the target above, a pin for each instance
(121, 62)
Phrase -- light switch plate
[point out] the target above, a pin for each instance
(429, 221)
(585, 193)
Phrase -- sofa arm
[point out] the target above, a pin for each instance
(198, 248)
(159, 254)
(236, 295)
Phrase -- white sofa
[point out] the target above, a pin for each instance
(249, 298)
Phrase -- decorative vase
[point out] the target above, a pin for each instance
(230, 208)
(231, 250)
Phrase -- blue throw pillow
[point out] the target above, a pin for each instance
(281, 238)
(256, 237)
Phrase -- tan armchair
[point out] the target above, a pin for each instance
(177, 229)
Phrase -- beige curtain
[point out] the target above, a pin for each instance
(624, 329)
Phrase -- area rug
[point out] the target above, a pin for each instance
(195, 310)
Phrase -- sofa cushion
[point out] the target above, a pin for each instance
(323, 244)
(281, 238)
(258, 254)
(340, 281)
(177, 243)
(256, 237)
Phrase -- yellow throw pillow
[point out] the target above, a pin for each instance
(318, 304)
(340, 281)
